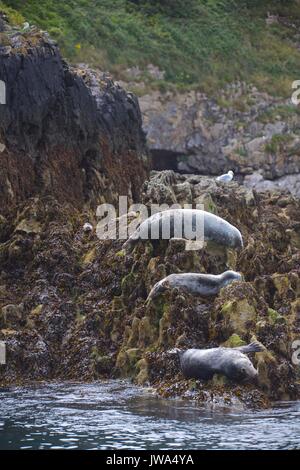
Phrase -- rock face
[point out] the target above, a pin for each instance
(240, 129)
(67, 132)
(74, 307)
(288, 182)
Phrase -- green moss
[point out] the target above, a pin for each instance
(275, 317)
(284, 112)
(208, 203)
(127, 361)
(242, 152)
(15, 18)
(37, 310)
(220, 380)
(234, 341)
(121, 253)
(89, 257)
(277, 143)
(142, 368)
(238, 315)
(128, 283)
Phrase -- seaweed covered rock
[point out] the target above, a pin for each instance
(80, 303)
(69, 132)
(75, 307)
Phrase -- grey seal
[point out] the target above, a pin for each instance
(231, 362)
(205, 285)
(170, 223)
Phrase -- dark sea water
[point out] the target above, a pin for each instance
(117, 415)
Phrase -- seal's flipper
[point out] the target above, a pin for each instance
(256, 346)
(174, 351)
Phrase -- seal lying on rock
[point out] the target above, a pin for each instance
(231, 362)
(205, 285)
(190, 224)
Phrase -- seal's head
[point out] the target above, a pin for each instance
(229, 276)
(242, 369)
(237, 239)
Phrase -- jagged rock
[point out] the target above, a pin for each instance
(240, 129)
(288, 182)
(67, 132)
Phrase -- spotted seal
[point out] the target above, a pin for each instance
(231, 362)
(196, 222)
(205, 285)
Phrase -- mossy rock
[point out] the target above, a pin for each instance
(264, 361)
(231, 259)
(117, 329)
(281, 283)
(234, 341)
(121, 254)
(143, 374)
(238, 315)
(30, 226)
(134, 333)
(164, 325)
(89, 257)
(37, 310)
(128, 284)
(34, 315)
(127, 360)
(219, 380)
(147, 332)
(133, 354)
(208, 203)
(294, 318)
(275, 317)
(294, 238)
(214, 249)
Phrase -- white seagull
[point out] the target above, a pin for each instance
(26, 26)
(226, 178)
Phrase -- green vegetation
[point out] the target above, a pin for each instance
(283, 112)
(15, 18)
(278, 143)
(199, 43)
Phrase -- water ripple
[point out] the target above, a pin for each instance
(116, 415)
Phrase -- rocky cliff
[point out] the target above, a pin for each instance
(67, 132)
(239, 128)
(74, 307)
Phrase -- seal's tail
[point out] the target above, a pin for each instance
(255, 346)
